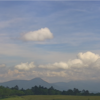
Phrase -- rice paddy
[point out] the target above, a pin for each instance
(53, 97)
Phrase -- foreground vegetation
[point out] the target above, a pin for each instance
(53, 97)
(6, 92)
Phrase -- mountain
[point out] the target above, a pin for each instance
(25, 84)
(92, 86)
(62, 85)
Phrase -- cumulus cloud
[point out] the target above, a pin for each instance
(84, 67)
(96, 63)
(88, 57)
(61, 65)
(25, 66)
(39, 35)
(83, 60)
(2, 65)
(75, 63)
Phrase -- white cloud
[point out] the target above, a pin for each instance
(61, 65)
(88, 57)
(12, 72)
(75, 63)
(25, 66)
(84, 60)
(97, 63)
(11, 75)
(2, 65)
(75, 69)
(39, 35)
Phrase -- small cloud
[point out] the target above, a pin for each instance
(3, 65)
(25, 66)
(39, 35)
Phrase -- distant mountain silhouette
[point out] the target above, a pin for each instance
(87, 85)
(25, 84)
(92, 86)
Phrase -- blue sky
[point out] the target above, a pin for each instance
(67, 29)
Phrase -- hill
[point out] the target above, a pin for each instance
(25, 84)
(92, 86)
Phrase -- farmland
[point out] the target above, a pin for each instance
(53, 97)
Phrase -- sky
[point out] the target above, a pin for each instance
(54, 40)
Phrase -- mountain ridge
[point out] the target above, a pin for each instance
(25, 84)
(92, 86)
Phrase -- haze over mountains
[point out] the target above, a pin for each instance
(87, 85)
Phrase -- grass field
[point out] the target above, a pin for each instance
(53, 97)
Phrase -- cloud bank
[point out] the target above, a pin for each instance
(39, 35)
(86, 66)
(83, 60)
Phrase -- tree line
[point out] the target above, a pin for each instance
(40, 90)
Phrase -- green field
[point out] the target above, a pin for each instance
(53, 97)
